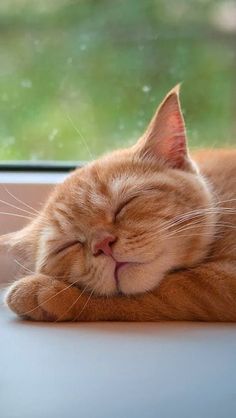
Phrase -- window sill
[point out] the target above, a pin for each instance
(16, 177)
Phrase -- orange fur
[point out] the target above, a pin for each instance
(172, 221)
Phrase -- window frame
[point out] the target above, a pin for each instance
(39, 166)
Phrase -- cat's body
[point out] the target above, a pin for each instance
(219, 167)
(141, 232)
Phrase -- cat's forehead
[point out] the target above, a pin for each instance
(102, 186)
(106, 183)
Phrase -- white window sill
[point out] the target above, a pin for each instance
(117, 369)
(167, 369)
(36, 178)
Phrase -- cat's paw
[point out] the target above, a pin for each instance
(42, 298)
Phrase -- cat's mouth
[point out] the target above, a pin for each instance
(119, 266)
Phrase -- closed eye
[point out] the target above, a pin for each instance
(123, 205)
(66, 246)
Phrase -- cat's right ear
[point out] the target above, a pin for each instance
(16, 243)
(165, 138)
(5, 242)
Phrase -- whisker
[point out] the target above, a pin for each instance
(194, 214)
(16, 207)
(73, 304)
(16, 214)
(81, 137)
(86, 303)
(51, 297)
(193, 225)
(79, 133)
(19, 200)
(22, 266)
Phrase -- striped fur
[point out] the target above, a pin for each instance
(174, 222)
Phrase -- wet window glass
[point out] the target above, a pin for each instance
(78, 78)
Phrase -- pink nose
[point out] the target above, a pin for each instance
(103, 245)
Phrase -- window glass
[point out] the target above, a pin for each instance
(78, 78)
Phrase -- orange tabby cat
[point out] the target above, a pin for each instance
(142, 234)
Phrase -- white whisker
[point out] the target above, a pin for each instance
(20, 201)
(47, 300)
(73, 304)
(22, 266)
(86, 303)
(16, 207)
(15, 214)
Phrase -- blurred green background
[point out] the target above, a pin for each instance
(78, 78)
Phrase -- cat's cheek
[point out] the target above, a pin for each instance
(139, 278)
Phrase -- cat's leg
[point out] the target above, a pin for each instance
(31, 296)
(43, 298)
(205, 293)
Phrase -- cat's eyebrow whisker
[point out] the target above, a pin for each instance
(85, 143)
(77, 130)
(19, 200)
(73, 304)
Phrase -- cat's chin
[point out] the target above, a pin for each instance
(136, 278)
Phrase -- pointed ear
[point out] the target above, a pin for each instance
(165, 137)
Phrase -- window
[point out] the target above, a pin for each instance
(78, 78)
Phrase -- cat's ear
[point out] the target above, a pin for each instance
(165, 137)
(19, 244)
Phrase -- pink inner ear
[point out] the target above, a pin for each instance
(172, 145)
(165, 136)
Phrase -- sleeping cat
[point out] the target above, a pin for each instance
(141, 234)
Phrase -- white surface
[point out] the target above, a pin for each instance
(116, 370)
(16, 177)
(108, 370)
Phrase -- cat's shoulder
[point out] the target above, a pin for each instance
(208, 155)
(219, 166)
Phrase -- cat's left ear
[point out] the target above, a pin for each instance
(165, 137)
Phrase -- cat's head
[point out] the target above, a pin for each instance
(121, 222)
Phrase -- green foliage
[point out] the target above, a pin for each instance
(78, 78)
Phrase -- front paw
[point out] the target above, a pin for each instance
(42, 298)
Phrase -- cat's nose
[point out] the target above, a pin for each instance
(103, 245)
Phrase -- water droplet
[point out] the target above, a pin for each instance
(140, 123)
(146, 89)
(10, 140)
(53, 134)
(26, 83)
